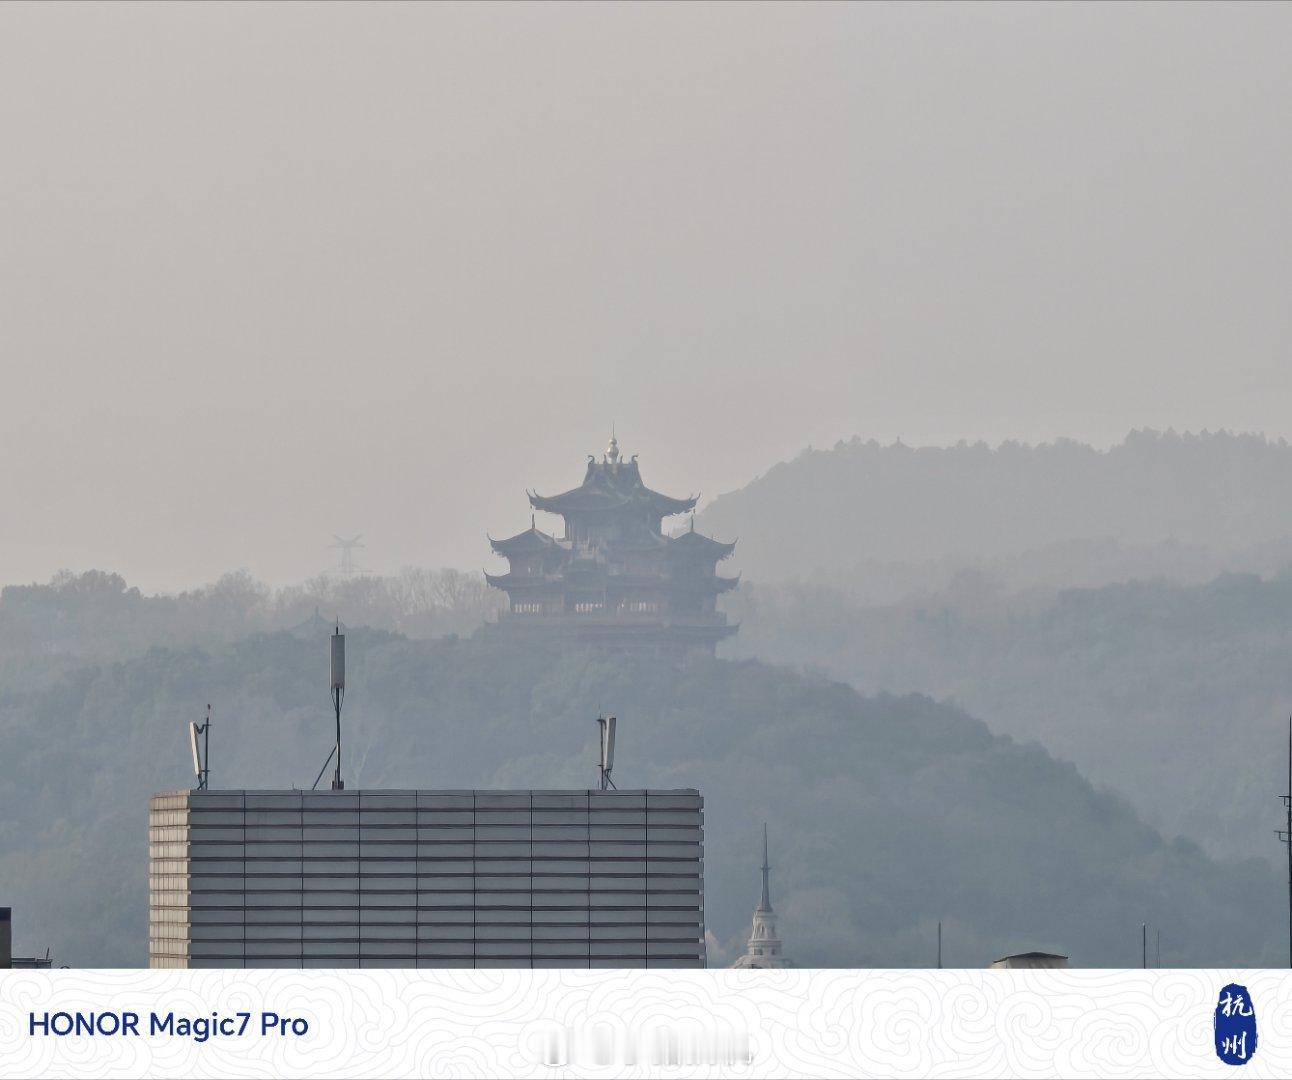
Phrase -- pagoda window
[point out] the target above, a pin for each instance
(527, 607)
(587, 607)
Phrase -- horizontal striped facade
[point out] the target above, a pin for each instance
(426, 879)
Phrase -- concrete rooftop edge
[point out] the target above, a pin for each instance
(203, 793)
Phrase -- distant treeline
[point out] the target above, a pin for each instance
(97, 615)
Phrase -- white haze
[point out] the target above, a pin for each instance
(269, 273)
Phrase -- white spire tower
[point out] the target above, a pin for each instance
(764, 947)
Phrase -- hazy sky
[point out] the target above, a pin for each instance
(271, 273)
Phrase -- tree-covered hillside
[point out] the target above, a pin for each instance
(883, 520)
(886, 813)
(1176, 696)
(98, 616)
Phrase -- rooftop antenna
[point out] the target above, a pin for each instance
(1286, 836)
(346, 568)
(202, 758)
(607, 763)
(939, 944)
(338, 695)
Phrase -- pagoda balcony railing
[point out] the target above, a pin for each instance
(615, 617)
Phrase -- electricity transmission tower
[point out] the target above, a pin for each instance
(346, 568)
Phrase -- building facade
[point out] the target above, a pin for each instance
(764, 949)
(600, 879)
(614, 578)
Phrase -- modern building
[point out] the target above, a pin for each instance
(614, 579)
(1031, 960)
(764, 947)
(600, 879)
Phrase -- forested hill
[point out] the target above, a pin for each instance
(1176, 696)
(96, 616)
(843, 514)
(886, 813)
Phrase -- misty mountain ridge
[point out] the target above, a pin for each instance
(1135, 683)
(882, 521)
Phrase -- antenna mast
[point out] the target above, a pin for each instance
(607, 760)
(1285, 835)
(202, 759)
(338, 695)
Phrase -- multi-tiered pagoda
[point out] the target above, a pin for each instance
(615, 579)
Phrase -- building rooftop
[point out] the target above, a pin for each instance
(394, 792)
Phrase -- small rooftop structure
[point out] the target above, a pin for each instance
(7, 959)
(1031, 960)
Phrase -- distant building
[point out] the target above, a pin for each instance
(601, 879)
(614, 579)
(316, 627)
(1031, 960)
(764, 947)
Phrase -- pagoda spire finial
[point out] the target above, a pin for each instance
(612, 451)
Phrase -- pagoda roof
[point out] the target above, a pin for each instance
(611, 485)
(642, 538)
(513, 581)
(699, 543)
(527, 542)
